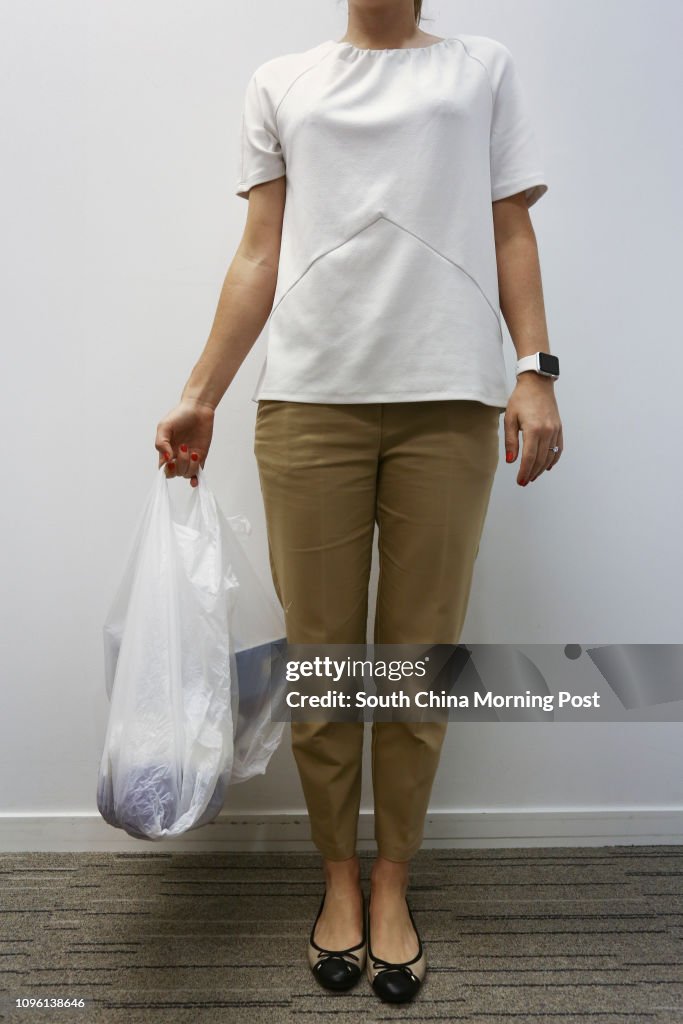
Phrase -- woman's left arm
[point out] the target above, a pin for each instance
(532, 407)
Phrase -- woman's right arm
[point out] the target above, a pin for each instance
(244, 306)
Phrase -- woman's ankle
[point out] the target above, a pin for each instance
(386, 875)
(342, 874)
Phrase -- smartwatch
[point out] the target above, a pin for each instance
(542, 363)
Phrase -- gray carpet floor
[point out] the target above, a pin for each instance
(542, 935)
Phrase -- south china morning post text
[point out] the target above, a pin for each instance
(409, 682)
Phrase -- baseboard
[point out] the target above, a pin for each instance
(278, 832)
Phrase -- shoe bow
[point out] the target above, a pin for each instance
(330, 954)
(381, 966)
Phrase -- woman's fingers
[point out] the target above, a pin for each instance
(183, 460)
(188, 461)
(194, 463)
(537, 456)
(163, 443)
(559, 441)
(550, 457)
(543, 454)
(529, 455)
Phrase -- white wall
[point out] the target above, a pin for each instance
(120, 129)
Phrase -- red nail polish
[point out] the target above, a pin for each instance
(183, 447)
(194, 456)
(523, 483)
(509, 457)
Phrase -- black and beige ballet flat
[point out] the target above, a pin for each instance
(337, 969)
(396, 983)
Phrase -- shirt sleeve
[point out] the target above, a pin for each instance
(260, 153)
(515, 156)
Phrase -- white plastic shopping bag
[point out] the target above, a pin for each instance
(192, 645)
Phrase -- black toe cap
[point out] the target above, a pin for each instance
(337, 974)
(395, 986)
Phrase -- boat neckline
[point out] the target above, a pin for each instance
(397, 49)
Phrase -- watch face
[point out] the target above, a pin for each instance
(549, 363)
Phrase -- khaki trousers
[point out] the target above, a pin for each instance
(424, 472)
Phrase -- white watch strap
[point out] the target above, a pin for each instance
(527, 363)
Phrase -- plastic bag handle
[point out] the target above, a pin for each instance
(201, 493)
(239, 523)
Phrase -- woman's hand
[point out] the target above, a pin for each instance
(533, 410)
(184, 437)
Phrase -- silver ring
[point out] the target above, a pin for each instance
(555, 449)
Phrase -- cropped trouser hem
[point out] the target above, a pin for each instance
(338, 852)
(334, 852)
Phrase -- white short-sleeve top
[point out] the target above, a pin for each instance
(387, 286)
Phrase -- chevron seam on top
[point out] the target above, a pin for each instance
(408, 232)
